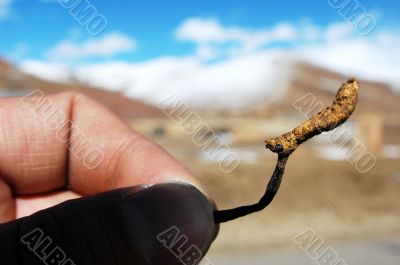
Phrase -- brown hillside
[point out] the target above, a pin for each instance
(323, 84)
(14, 83)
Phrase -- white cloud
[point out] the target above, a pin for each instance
(369, 58)
(56, 72)
(209, 35)
(200, 30)
(244, 76)
(106, 46)
(338, 31)
(5, 8)
(233, 83)
(337, 46)
(206, 52)
(310, 32)
(204, 30)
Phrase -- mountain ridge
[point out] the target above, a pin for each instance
(304, 79)
(14, 82)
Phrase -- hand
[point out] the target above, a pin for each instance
(66, 146)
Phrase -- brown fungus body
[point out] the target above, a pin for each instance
(343, 106)
(333, 116)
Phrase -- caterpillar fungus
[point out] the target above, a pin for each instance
(343, 106)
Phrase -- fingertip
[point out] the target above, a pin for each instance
(176, 218)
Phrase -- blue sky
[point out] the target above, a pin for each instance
(36, 26)
(153, 48)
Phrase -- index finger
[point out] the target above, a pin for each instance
(68, 139)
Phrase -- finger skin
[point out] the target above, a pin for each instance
(44, 143)
(115, 227)
(41, 151)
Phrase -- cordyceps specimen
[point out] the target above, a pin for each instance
(333, 116)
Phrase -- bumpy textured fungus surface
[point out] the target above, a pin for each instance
(343, 106)
(333, 116)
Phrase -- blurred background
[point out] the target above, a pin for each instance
(211, 80)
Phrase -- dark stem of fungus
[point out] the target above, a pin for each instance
(342, 107)
(272, 188)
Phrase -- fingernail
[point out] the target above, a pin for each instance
(170, 223)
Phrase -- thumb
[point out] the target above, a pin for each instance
(170, 223)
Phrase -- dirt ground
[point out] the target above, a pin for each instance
(370, 252)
